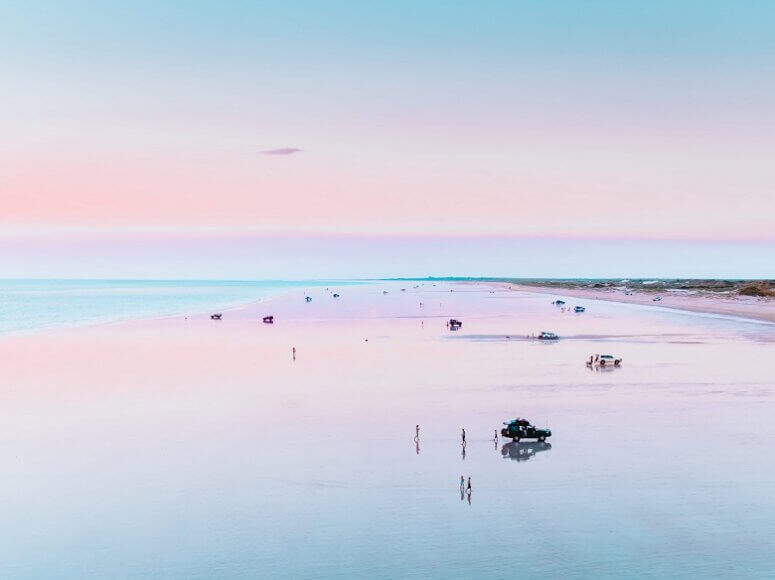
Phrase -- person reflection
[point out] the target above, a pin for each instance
(463, 453)
(417, 446)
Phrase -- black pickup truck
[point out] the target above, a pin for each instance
(518, 429)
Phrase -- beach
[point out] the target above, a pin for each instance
(703, 302)
(185, 447)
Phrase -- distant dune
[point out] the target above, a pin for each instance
(753, 299)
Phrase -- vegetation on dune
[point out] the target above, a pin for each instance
(757, 288)
(762, 288)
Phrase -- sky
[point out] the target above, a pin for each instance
(360, 139)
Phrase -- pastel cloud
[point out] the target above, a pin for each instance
(281, 151)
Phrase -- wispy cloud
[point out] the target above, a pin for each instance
(281, 151)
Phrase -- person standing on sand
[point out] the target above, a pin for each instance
(463, 435)
(495, 438)
(468, 487)
(294, 353)
(416, 431)
(462, 482)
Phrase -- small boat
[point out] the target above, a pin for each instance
(269, 319)
(216, 316)
(403, 289)
(559, 302)
(454, 324)
(543, 335)
(579, 309)
(336, 295)
(308, 298)
(384, 291)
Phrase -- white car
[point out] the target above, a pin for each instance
(604, 360)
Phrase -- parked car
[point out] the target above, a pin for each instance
(518, 429)
(579, 309)
(604, 360)
(547, 336)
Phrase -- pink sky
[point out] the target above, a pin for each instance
(519, 120)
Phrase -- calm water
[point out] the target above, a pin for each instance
(38, 304)
(195, 449)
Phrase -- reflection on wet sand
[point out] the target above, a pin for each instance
(524, 450)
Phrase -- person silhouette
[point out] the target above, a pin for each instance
(468, 487)
(294, 353)
(416, 431)
(463, 436)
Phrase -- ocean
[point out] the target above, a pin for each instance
(194, 449)
(31, 305)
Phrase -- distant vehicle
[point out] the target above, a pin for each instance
(547, 336)
(384, 291)
(216, 316)
(559, 302)
(269, 319)
(604, 360)
(336, 295)
(454, 324)
(657, 299)
(627, 293)
(522, 451)
(403, 289)
(308, 298)
(518, 429)
(579, 309)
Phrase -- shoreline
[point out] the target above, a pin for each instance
(743, 308)
(753, 309)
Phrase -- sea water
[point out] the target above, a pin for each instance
(186, 448)
(28, 305)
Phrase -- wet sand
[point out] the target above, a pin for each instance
(704, 302)
(191, 448)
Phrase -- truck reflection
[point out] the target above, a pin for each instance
(524, 450)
